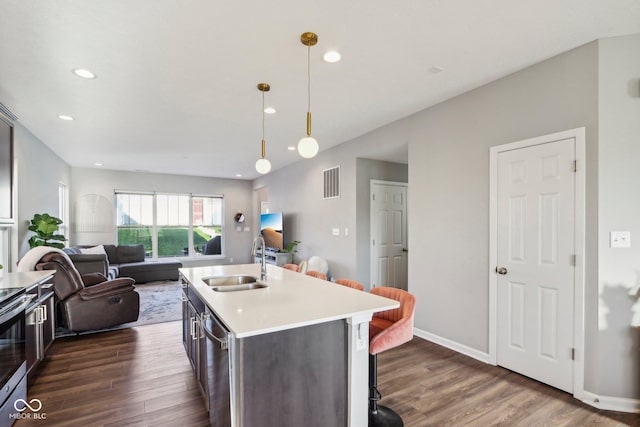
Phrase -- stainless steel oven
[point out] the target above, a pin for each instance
(13, 365)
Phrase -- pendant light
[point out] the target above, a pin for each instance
(308, 146)
(263, 165)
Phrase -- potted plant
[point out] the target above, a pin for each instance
(291, 247)
(46, 228)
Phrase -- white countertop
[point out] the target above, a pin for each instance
(290, 300)
(24, 279)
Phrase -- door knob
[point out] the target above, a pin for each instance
(501, 270)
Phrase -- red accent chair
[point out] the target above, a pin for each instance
(316, 274)
(351, 284)
(292, 267)
(387, 329)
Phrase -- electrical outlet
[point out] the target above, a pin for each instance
(335, 231)
(620, 239)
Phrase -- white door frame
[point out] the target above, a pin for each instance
(372, 261)
(578, 135)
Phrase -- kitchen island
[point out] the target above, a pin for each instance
(296, 350)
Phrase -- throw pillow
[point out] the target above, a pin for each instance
(96, 250)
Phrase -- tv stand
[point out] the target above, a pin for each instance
(274, 257)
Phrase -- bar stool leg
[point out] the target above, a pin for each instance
(379, 416)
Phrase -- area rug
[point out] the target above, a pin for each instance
(159, 302)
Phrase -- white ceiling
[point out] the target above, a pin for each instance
(176, 88)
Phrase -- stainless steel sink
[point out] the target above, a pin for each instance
(233, 283)
(237, 279)
(234, 288)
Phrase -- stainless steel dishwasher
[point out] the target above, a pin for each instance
(218, 339)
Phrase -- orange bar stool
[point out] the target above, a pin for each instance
(387, 329)
(292, 267)
(351, 284)
(317, 274)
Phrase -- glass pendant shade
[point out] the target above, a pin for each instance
(263, 166)
(308, 147)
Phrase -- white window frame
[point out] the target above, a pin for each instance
(154, 225)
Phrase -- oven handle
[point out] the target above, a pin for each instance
(16, 307)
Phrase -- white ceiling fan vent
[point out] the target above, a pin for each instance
(7, 113)
(331, 183)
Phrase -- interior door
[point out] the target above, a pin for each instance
(536, 257)
(389, 235)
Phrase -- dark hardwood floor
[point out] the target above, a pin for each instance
(141, 377)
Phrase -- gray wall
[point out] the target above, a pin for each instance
(619, 210)
(40, 171)
(595, 86)
(449, 189)
(237, 198)
(297, 190)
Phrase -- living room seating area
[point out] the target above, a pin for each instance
(123, 261)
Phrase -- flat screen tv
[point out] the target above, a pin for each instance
(271, 229)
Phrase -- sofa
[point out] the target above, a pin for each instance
(123, 261)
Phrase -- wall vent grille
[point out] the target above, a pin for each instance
(7, 113)
(331, 183)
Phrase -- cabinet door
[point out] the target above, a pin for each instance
(48, 323)
(192, 344)
(186, 336)
(32, 337)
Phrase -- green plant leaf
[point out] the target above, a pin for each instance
(291, 247)
(45, 227)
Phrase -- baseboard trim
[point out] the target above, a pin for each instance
(608, 403)
(455, 346)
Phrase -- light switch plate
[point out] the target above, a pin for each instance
(335, 231)
(620, 239)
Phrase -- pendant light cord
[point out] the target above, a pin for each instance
(263, 144)
(309, 78)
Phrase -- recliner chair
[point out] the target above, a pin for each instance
(90, 301)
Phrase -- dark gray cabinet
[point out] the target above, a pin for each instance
(40, 325)
(193, 338)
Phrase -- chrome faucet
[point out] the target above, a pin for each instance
(254, 252)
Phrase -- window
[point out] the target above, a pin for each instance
(169, 224)
(63, 209)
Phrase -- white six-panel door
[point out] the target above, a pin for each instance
(389, 234)
(535, 261)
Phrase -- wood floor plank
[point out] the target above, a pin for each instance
(141, 377)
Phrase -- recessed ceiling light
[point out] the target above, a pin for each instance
(84, 73)
(98, 164)
(64, 117)
(270, 110)
(291, 148)
(436, 70)
(238, 175)
(332, 56)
